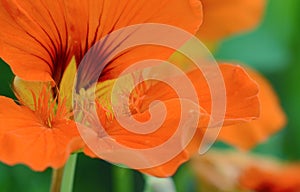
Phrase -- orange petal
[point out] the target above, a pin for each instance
(271, 120)
(99, 18)
(242, 102)
(224, 18)
(242, 95)
(169, 168)
(34, 38)
(24, 139)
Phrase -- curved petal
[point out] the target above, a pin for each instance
(242, 102)
(169, 168)
(34, 39)
(24, 139)
(271, 120)
(225, 18)
(242, 95)
(99, 18)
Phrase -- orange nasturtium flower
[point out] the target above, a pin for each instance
(240, 171)
(44, 41)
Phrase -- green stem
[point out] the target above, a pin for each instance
(57, 175)
(62, 179)
(69, 173)
(123, 179)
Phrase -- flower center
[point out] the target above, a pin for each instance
(38, 96)
(49, 109)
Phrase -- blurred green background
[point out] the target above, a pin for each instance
(273, 49)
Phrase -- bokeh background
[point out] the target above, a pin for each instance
(273, 49)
